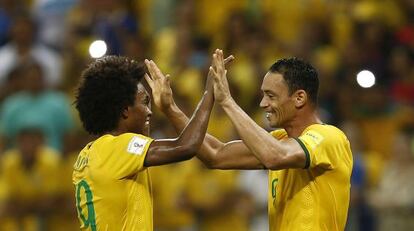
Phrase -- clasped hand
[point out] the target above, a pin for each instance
(160, 83)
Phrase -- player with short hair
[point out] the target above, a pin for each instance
(113, 189)
(309, 162)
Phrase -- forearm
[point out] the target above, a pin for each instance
(258, 140)
(194, 132)
(214, 153)
(210, 144)
(177, 118)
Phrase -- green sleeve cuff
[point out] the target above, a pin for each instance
(307, 156)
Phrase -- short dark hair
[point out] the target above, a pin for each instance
(298, 75)
(107, 86)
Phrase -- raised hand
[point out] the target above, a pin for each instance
(210, 77)
(160, 86)
(218, 72)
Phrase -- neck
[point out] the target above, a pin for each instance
(121, 130)
(28, 160)
(114, 133)
(23, 49)
(299, 124)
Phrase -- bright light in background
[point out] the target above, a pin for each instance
(366, 79)
(97, 49)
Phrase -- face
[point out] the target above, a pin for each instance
(32, 80)
(139, 114)
(29, 142)
(22, 32)
(276, 102)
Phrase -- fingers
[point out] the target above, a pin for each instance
(212, 71)
(157, 70)
(153, 69)
(228, 59)
(220, 56)
(218, 61)
(167, 79)
(149, 81)
(150, 68)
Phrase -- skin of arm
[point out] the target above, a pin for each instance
(213, 153)
(272, 153)
(185, 146)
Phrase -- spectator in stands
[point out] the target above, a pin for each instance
(23, 46)
(35, 105)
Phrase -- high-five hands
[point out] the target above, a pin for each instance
(160, 86)
(218, 72)
(210, 76)
(160, 83)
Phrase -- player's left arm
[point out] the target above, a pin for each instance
(272, 153)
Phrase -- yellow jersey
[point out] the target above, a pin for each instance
(42, 180)
(316, 197)
(27, 185)
(112, 186)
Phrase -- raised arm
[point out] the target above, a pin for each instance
(213, 153)
(184, 147)
(272, 153)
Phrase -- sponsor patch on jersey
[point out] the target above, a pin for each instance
(312, 139)
(136, 145)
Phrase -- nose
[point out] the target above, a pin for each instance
(264, 103)
(149, 112)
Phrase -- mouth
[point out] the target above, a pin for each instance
(268, 115)
(147, 121)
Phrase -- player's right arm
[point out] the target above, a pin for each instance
(213, 153)
(185, 146)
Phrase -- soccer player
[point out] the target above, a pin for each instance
(113, 189)
(309, 162)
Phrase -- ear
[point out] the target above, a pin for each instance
(125, 113)
(300, 98)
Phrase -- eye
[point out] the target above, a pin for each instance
(146, 100)
(270, 96)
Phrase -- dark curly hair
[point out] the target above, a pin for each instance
(299, 75)
(108, 86)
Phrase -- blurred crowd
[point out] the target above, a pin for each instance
(44, 47)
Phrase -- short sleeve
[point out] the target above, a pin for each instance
(318, 149)
(129, 154)
(279, 134)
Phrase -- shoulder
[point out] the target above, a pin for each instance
(324, 131)
(129, 142)
(41, 52)
(56, 95)
(10, 157)
(55, 98)
(16, 99)
(8, 50)
(323, 135)
(15, 103)
(134, 143)
(127, 138)
(49, 156)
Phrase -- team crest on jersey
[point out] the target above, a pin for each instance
(274, 190)
(136, 145)
(274, 184)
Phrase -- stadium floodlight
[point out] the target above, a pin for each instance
(365, 79)
(97, 49)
